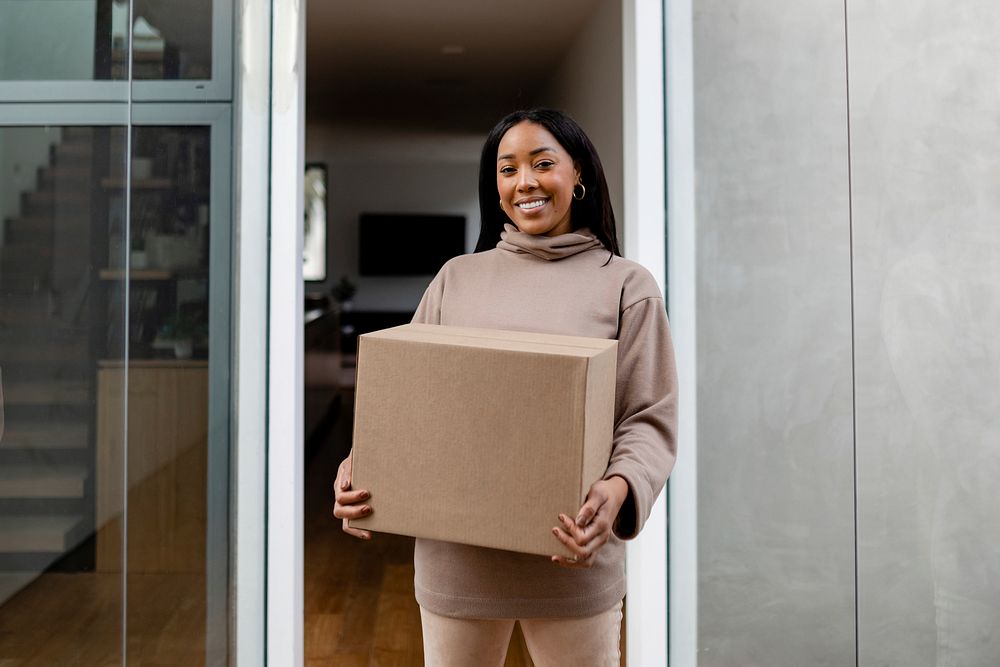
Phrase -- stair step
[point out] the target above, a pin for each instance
(27, 481)
(40, 534)
(44, 435)
(19, 311)
(45, 350)
(35, 229)
(75, 152)
(49, 200)
(77, 174)
(44, 393)
(14, 283)
(76, 133)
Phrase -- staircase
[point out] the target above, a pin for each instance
(46, 452)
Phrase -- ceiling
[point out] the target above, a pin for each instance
(435, 63)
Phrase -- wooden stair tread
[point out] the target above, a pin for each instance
(63, 392)
(42, 481)
(30, 534)
(46, 435)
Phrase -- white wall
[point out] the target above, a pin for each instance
(588, 86)
(54, 43)
(386, 171)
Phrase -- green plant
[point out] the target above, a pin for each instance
(344, 290)
(183, 326)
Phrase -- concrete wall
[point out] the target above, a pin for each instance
(925, 149)
(813, 287)
(775, 504)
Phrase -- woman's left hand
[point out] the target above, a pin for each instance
(591, 528)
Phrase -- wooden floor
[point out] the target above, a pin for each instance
(359, 605)
(75, 619)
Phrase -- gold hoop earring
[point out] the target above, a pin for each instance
(583, 191)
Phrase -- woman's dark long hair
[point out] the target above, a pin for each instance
(593, 211)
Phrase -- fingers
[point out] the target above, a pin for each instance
(344, 474)
(589, 509)
(349, 504)
(583, 544)
(357, 532)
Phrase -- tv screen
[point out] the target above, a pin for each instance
(393, 244)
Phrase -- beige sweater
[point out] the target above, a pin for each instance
(560, 285)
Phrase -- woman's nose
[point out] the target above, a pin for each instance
(526, 181)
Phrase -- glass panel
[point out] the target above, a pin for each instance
(168, 395)
(172, 39)
(60, 451)
(78, 38)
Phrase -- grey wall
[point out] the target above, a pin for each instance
(785, 299)
(925, 130)
(775, 469)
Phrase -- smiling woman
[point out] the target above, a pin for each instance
(555, 268)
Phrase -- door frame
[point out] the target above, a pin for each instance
(645, 231)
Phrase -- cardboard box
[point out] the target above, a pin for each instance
(481, 436)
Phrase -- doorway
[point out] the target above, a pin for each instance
(398, 102)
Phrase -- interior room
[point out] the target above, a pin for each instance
(399, 98)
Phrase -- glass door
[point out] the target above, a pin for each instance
(115, 359)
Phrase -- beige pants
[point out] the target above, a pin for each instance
(591, 641)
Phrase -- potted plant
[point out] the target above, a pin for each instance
(344, 292)
(182, 330)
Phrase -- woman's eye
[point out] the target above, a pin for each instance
(544, 164)
(507, 170)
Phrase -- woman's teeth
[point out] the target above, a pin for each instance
(531, 204)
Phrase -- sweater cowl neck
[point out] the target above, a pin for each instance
(547, 247)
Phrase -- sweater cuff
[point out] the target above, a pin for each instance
(628, 522)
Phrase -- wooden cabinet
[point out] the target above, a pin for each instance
(167, 453)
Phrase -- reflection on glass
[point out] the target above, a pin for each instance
(76, 39)
(172, 39)
(87, 40)
(56, 489)
(71, 482)
(314, 237)
(168, 392)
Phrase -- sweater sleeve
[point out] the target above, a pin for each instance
(429, 310)
(645, 437)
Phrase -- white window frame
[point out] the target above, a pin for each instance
(284, 624)
(645, 242)
(217, 89)
(681, 265)
(252, 176)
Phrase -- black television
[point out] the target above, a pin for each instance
(395, 244)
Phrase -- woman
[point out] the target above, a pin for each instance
(547, 260)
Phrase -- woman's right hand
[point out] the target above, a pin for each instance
(350, 504)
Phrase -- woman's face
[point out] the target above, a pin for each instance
(535, 179)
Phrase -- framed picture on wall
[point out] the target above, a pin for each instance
(314, 236)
